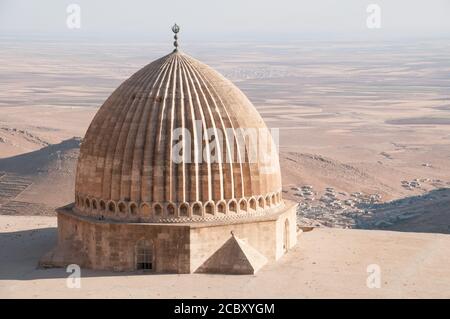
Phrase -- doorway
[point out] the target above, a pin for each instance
(144, 255)
(286, 236)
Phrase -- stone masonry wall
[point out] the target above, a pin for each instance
(101, 245)
(264, 236)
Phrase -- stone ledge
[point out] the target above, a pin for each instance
(69, 210)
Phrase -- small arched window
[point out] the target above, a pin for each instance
(145, 210)
(112, 207)
(170, 210)
(133, 209)
(184, 210)
(197, 209)
(261, 203)
(158, 209)
(232, 206)
(243, 205)
(209, 208)
(221, 208)
(253, 204)
(122, 208)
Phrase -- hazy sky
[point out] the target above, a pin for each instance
(226, 19)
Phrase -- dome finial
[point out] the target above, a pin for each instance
(175, 29)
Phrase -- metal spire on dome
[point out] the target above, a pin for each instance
(175, 29)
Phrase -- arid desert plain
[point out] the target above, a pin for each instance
(364, 148)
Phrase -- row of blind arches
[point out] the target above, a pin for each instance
(92, 205)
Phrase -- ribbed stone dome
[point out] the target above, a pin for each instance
(127, 168)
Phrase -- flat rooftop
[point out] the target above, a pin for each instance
(326, 263)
